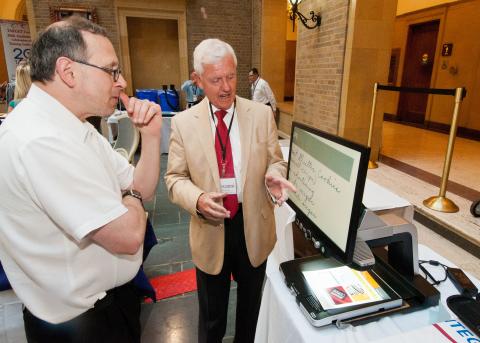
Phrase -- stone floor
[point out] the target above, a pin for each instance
(173, 320)
(425, 150)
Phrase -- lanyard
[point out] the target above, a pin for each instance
(223, 147)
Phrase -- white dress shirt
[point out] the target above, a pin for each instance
(234, 141)
(261, 92)
(60, 181)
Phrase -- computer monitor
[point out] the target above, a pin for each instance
(329, 173)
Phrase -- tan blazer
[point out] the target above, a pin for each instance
(192, 170)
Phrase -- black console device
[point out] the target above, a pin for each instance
(467, 309)
(462, 282)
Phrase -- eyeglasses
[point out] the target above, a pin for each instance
(114, 72)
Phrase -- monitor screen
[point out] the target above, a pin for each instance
(329, 173)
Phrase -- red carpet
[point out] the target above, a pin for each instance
(170, 285)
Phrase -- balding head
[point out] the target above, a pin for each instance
(60, 39)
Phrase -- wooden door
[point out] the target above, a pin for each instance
(417, 70)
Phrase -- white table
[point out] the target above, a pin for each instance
(166, 129)
(280, 319)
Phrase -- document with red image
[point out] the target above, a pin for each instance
(342, 286)
(339, 295)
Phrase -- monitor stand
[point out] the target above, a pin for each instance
(390, 229)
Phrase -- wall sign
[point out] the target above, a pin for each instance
(17, 43)
(447, 49)
(393, 68)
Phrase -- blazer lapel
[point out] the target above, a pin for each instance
(204, 135)
(245, 125)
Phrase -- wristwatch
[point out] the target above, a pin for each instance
(133, 193)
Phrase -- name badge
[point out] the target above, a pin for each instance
(195, 98)
(228, 185)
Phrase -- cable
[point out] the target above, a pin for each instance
(433, 282)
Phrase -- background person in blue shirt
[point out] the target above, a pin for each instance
(193, 93)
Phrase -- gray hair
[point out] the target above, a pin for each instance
(211, 51)
(61, 39)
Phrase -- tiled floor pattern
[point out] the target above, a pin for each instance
(173, 320)
(452, 186)
(425, 150)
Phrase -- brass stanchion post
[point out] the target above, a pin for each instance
(441, 202)
(372, 164)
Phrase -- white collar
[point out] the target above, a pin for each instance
(229, 111)
(58, 112)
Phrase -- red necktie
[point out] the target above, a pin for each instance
(225, 167)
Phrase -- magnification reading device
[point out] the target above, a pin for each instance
(329, 173)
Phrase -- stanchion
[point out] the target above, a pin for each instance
(441, 202)
(372, 164)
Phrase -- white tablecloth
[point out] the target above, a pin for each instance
(166, 129)
(280, 319)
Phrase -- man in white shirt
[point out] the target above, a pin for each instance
(260, 90)
(72, 223)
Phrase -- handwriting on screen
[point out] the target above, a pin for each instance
(306, 176)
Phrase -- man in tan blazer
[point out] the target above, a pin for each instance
(225, 168)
